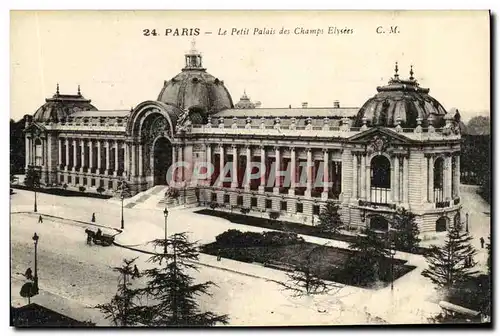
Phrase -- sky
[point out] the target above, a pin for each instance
(117, 66)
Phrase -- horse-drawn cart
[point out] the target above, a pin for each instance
(99, 238)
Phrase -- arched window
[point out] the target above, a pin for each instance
(38, 153)
(438, 179)
(379, 223)
(380, 179)
(441, 224)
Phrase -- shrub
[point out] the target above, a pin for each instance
(100, 189)
(65, 186)
(172, 193)
(81, 188)
(245, 210)
(214, 205)
(274, 215)
(236, 238)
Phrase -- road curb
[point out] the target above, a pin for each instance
(200, 263)
(68, 219)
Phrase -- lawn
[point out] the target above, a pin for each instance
(298, 228)
(327, 261)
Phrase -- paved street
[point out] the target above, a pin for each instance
(79, 275)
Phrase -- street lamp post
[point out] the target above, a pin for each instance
(467, 222)
(122, 222)
(35, 207)
(35, 279)
(393, 253)
(165, 213)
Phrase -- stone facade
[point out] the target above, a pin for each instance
(397, 150)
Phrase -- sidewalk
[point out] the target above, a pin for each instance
(65, 306)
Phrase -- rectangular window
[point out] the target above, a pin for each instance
(253, 202)
(214, 197)
(101, 183)
(269, 204)
(69, 179)
(92, 182)
(77, 180)
(283, 206)
(110, 185)
(84, 181)
(300, 208)
(61, 178)
(315, 209)
(239, 200)
(226, 199)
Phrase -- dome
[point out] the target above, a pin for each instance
(404, 100)
(195, 89)
(60, 106)
(245, 102)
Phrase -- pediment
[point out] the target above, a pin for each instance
(35, 129)
(378, 134)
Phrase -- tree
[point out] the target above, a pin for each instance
(365, 263)
(123, 309)
(100, 190)
(82, 188)
(479, 125)
(405, 237)
(306, 279)
(173, 290)
(448, 265)
(488, 260)
(329, 218)
(32, 180)
(123, 189)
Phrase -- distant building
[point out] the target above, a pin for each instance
(400, 149)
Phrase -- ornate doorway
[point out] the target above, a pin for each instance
(162, 160)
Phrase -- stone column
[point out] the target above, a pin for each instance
(221, 165)
(141, 159)
(326, 177)
(309, 173)
(208, 163)
(126, 160)
(248, 170)
(27, 152)
(106, 144)
(133, 171)
(293, 172)
(368, 176)
(74, 156)
(262, 169)
(82, 154)
(59, 153)
(115, 173)
(180, 157)
(457, 176)
(397, 194)
(424, 171)
(405, 179)
(234, 182)
(448, 177)
(66, 150)
(98, 156)
(277, 170)
(355, 176)
(430, 183)
(362, 172)
(91, 155)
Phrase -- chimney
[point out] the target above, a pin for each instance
(336, 104)
(304, 105)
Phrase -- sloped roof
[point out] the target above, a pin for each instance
(323, 112)
(101, 113)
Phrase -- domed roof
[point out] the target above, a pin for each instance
(62, 105)
(404, 100)
(245, 102)
(196, 89)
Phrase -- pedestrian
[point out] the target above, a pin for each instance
(482, 242)
(219, 257)
(98, 234)
(136, 273)
(89, 237)
(29, 274)
(93, 217)
(40, 219)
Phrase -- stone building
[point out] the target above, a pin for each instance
(400, 149)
